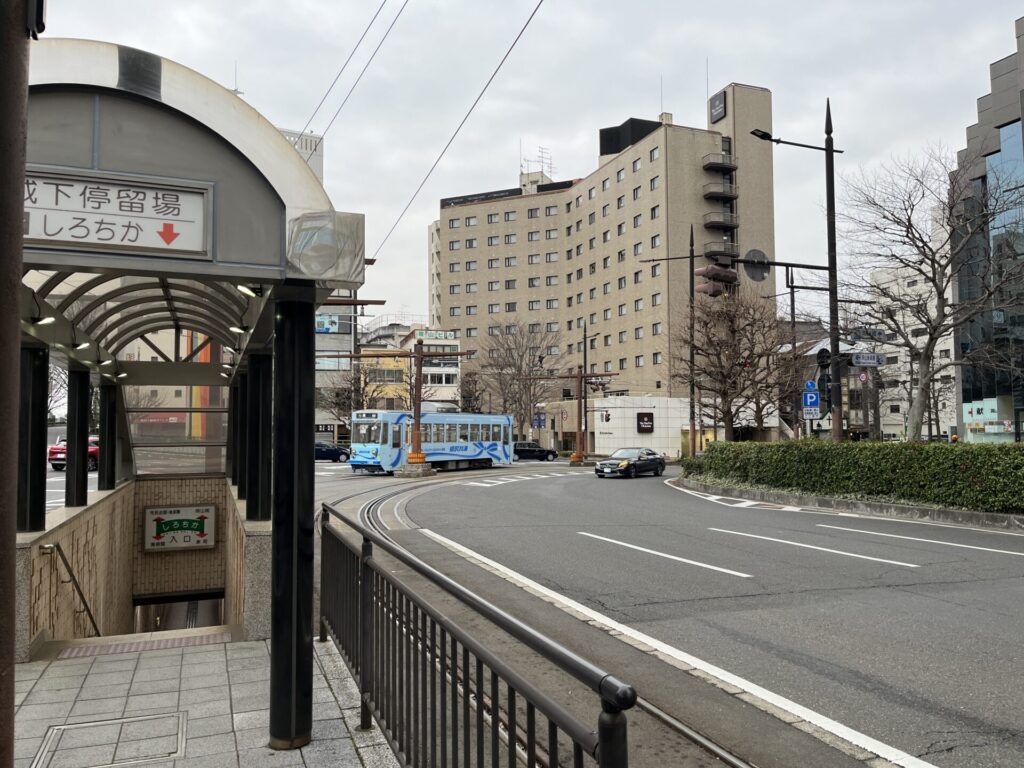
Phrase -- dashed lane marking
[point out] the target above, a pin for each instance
(667, 556)
(811, 546)
(926, 541)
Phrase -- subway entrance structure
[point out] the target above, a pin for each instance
(176, 247)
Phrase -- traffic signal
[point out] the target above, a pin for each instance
(718, 276)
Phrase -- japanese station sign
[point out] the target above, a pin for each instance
(448, 335)
(170, 528)
(113, 213)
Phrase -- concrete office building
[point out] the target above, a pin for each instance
(561, 256)
(992, 408)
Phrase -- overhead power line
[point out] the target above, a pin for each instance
(340, 71)
(459, 128)
(361, 73)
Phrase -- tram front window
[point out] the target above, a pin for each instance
(369, 432)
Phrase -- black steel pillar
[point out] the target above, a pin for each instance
(76, 488)
(836, 388)
(108, 437)
(13, 110)
(229, 440)
(32, 433)
(291, 609)
(240, 466)
(258, 432)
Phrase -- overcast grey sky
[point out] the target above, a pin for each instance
(900, 73)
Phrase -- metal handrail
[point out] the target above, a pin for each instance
(720, 158)
(49, 549)
(611, 690)
(723, 187)
(722, 217)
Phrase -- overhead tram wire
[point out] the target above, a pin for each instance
(459, 128)
(342, 70)
(361, 73)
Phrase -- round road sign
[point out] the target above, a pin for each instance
(756, 265)
(863, 378)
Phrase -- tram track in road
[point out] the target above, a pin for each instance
(371, 515)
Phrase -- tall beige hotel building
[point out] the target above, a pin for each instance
(564, 255)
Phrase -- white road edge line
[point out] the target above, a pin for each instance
(811, 546)
(926, 541)
(827, 724)
(667, 556)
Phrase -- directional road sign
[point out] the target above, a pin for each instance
(867, 359)
(812, 399)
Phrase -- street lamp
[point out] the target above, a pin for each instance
(833, 286)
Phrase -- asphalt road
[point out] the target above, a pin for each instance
(909, 633)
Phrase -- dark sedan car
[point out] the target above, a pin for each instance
(630, 462)
(534, 451)
(330, 452)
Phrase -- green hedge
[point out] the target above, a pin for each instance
(987, 478)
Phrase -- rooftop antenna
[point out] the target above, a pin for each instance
(546, 163)
(235, 89)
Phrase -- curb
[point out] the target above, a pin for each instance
(876, 508)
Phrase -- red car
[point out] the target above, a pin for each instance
(57, 455)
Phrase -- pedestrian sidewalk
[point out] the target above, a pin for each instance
(202, 706)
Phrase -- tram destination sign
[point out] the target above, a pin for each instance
(92, 212)
(170, 528)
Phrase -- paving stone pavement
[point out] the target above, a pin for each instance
(195, 707)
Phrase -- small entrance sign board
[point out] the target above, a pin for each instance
(169, 528)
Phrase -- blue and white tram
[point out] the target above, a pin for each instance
(382, 440)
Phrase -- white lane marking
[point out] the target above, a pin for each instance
(811, 546)
(746, 503)
(481, 485)
(667, 556)
(926, 541)
(854, 737)
(323, 474)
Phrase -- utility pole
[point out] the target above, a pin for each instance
(14, 35)
(693, 363)
(581, 378)
(833, 280)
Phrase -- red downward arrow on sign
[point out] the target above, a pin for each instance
(167, 234)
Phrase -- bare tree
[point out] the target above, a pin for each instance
(736, 358)
(334, 395)
(920, 229)
(470, 392)
(511, 362)
(58, 391)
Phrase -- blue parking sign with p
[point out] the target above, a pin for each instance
(812, 399)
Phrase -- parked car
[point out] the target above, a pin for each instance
(330, 452)
(630, 462)
(57, 454)
(534, 451)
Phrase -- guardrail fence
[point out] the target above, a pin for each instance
(440, 696)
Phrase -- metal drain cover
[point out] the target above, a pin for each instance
(120, 742)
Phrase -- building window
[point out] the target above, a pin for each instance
(590, 243)
(454, 267)
(493, 308)
(620, 228)
(533, 237)
(492, 218)
(894, 408)
(636, 165)
(591, 217)
(552, 350)
(636, 220)
(604, 210)
(510, 215)
(534, 328)
(510, 261)
(605, 183)
(638, 276)
(471, 309)
(470, 266)
(492, 263)
(622, 256)
(592, 293)
(622, 310)
(636, 193)
(551, 304)
(568, 301)
(533, 282)
(454, 223)
(534, 305)
(568, 278)
(605, 262)
(638, 361)
(622, 363)
(533, 213)
(550, 234)
(655, 299)
(550, 210)
(471, 242)
(607, 314)
(654, 154)
(454, 311)
(579, 200)
(551, 280)
(579, 249)
(492, 239)
(622, 337)
(471, 333)
(656, 358)
(551, 326)
(921, 331)
(655, 241)
(606, 288)
(590, 194)
(579, 223)
(454, 288)
(944, 354)
(620, 201)
(622, 282)
(655, 270)
(655, 329)
(454, 245)
(493, 285)
(655, 212)
(533, 258)
(638, 248)
(551, 256)
(510, 285)
(638, 305)
(510, 239)
(471, 221)
(655, 182)
(620, 174)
